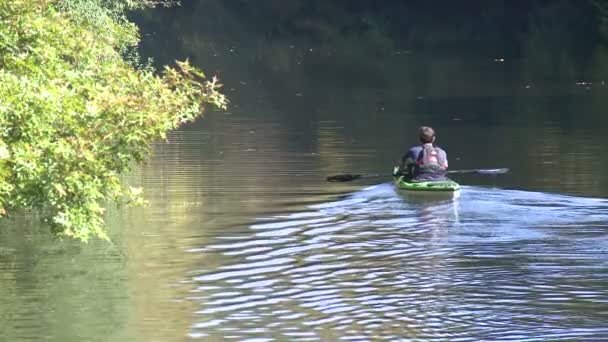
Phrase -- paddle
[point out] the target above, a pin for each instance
(482, 171)
(346, 177)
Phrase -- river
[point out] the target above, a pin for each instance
(244, 240)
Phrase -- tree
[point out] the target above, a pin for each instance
(76, 112)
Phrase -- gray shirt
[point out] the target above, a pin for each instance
(409, 164)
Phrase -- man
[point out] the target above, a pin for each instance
(425, 162)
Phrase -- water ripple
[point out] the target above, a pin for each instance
(489, 265)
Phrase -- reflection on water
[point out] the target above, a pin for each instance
(492, 264)
(244, 239)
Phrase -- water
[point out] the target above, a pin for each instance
(244, 240)
(377, 264)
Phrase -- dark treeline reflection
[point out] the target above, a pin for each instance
(355, 42)
(497, 26)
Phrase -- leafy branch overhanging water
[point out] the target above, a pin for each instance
(76, 112)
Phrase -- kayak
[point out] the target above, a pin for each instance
(434, 186)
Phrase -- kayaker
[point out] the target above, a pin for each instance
(424, 162)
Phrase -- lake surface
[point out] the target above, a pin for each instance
(244, 239)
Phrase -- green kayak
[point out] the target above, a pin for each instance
(448, 185)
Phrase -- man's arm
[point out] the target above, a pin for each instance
(407, 163)
(444, 159)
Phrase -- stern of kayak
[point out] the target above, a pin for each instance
(434, 186)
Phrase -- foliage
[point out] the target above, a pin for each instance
(74, 114)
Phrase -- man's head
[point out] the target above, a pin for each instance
(427, 135)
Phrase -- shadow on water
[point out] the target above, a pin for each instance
(490, 264)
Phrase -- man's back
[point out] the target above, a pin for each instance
(425, 163)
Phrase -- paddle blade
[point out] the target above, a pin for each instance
(343, 178)
(493, 171)
(482, 171)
